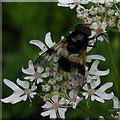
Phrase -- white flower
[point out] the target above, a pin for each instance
(41, 45)
(72, 3)
(81, 12)
(45, 88)
(98, 94)
(74, 99)
(52, 81)
(98, 1)
(97, 57)
(108, 4)
(19, 94)
(101, 9)
(98, 28)
(116, 103)
(93, 10)
(53, 107)
(38, 75)
(94, 71)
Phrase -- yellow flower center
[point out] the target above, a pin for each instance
(56, 105)
(91, 91)
(37, 74)
(73, 99)
(99, 30)
(27, 91)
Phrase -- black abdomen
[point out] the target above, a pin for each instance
(69, 66)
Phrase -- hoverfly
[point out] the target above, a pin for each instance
(71, 52)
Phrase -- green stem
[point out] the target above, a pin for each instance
(87, 112)
(113, 63)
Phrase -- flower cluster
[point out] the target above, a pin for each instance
(99, 11)
(59, 89)
(57, 86)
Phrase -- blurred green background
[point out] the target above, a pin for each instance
(23, 22)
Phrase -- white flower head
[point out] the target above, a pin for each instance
(53, 107)
(19, 94)
(38, 75)
(72, 3)
(46, 88)
(74, 99)
(97, 94)
(98, 28)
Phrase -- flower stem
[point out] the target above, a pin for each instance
(113, 63)
(87, 111)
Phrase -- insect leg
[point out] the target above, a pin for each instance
(97, 36)
(96, 39)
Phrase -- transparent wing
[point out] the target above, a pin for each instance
(52, 54)
(77, 69)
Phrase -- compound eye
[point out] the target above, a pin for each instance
(83, 29)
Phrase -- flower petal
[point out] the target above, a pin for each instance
(44, 75)
(62, 101)
(94, 25)
(116, 102)
(85, 94)
(31, 78)
(16, 100)
(46, 113)
(29, 70)
(100, 38)
(48, 40)
(107, 96)
(62, 112)
(39, 44)
(39, 80)
(33, 87)
(72, 6)
(12, 85)
(94, 84)
(90, 48)
(11, 98)
(24, 97)
(32, 94)
(100, 92)
(71, 94)
(53, 114)
(103, 25)
(40, 69)
(66, 1)
(47, 105)
(105, 87)
(85, 87)
(98, 57)
(94, 71)
(55, 98)
(63, 5)
(24, 84)
(93, 97)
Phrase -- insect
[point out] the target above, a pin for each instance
(71, 52)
